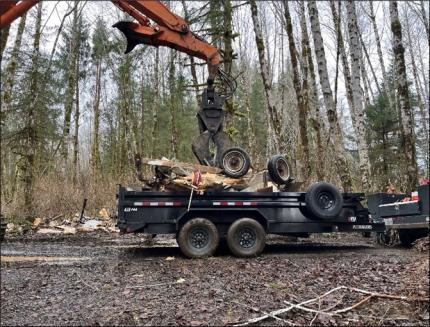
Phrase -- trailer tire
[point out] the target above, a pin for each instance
(198, 238)
(279, 170)
(246, 238)
(235, 162)
(323, 200)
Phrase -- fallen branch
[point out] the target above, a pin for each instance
(299, 306)
(366, 299)
(267, 313)
(389, 296)
(280, 311)
(332, 313)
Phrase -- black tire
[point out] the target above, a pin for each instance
(323, 200)
(198, 238)
(235, 162)
(279, 170)
(246, 238)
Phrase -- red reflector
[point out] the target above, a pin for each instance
(224, 203)
(177, 203)
(238, 203)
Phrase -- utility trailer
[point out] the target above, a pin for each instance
(241, 218)
(405, 217)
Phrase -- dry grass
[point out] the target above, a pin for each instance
(56, 196)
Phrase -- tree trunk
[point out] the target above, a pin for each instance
(30, 141)
(301, 96)
(174, 137)
(344, 59)
(328, 97)
(418, 88)
(311, 92)
(366, 54)
(155, 106)
(425, 21)
(403, 94)
(71, 84)
(250, 124)
(275, 119)
(76, 127)
(95, 145)
(192, 62)
(4, 34)
(378, 43)
(360, 125)
(9, 73)
(228, 62)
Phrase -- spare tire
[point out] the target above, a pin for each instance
(323, 200)
(235, 162)
(279, 169)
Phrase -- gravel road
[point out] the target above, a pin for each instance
(107, 279)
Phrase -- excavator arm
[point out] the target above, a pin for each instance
(169, 29)
(172, 31)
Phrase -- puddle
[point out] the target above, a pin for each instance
(14, 258)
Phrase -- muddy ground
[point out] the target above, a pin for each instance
(107, 279)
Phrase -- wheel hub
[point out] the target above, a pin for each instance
(246, 237)
(234, 161)
(325, 201)
(199, 238)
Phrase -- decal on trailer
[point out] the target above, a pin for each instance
(361, 226)
(130, 209)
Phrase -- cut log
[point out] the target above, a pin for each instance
(185, 165)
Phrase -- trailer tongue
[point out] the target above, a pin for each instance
(242, 218)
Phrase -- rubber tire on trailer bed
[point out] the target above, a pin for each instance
(235, 162)
(323, 200)
(198, 238)
(279, 169)
(246, 238)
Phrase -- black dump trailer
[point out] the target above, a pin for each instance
(241, 218)
(405, 220)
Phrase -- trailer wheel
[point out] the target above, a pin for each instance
(198, 238)
(235, 162)
(323, 200)
(246, 238)
(279, 169)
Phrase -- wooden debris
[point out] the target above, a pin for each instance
(185, 165)
(37, 221)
